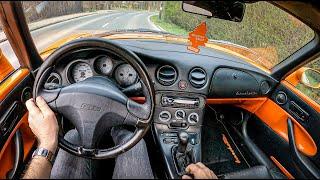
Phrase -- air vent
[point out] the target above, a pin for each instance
(53, 81)
(54, 78)
(166, 75)
(197, 77)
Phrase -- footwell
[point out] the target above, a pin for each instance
(219, 151)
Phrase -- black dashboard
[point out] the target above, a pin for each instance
(182, 81)
(172, 67)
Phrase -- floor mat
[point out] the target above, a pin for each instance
(219, 153)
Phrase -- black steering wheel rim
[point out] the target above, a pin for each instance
(129, 57)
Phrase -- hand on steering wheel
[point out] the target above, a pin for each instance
(43, 123)
(96, 104)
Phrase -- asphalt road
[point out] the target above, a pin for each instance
(97, 23)
(94, 23)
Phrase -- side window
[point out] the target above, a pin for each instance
(307, 80)
(8, 59)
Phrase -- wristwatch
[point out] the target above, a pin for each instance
(44, 153)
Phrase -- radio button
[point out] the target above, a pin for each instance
(166, 101)
(178, 125)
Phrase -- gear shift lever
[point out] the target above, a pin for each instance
(183, 155)
(183, 142)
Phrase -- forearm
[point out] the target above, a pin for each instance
(44, 125)
(39, 168)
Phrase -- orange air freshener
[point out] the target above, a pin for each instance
(198, 37)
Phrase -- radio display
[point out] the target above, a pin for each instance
(185, 102)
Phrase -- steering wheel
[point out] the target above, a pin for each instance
(95, 104)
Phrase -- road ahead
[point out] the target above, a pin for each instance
(101, 22)
(97, 23)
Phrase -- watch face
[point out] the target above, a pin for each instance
(44, 153)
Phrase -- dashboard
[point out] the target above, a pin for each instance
(172, 68)
(183, 81)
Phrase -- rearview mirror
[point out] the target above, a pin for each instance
(311, 78)
(227, 10)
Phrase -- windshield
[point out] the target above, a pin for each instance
(265, 30)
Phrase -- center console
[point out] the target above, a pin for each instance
(177, 125)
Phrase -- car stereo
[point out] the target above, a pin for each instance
(180, 102)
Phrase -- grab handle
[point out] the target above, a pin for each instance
(304, 164)
(18, 160)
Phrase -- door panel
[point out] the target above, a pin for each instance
(7, 153)
(269, 129)
(283, 169)
(276, 118)
(14, 90)
(272, 145)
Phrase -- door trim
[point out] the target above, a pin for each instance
(11, 82)
(276, 118)
(6, 152)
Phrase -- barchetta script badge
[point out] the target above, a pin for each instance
(246, 93)
(90, 107)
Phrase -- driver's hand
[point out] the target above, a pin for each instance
(199, 171)
(43, 123)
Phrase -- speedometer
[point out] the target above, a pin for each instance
(81, 71)
(104, 64)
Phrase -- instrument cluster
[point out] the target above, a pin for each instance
(104, 65)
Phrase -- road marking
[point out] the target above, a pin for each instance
(105, 25)
(41, 44)
(133, 21)
(107, 12)
(153, 25)
(112, 19)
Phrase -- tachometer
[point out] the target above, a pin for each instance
(104, 65)
(125, 75)
(81, 71)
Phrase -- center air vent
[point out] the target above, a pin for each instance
(166, 75)
(197, 77)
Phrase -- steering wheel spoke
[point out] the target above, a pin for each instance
(96, 104)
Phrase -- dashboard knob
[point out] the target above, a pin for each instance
(193, 118)
(180, 114)
(165, 116)
(281, 98)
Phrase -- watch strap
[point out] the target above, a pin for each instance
(44, 153)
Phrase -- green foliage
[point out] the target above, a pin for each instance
(170, 27)
(315, 64)
(264, 25)
(312, 93)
